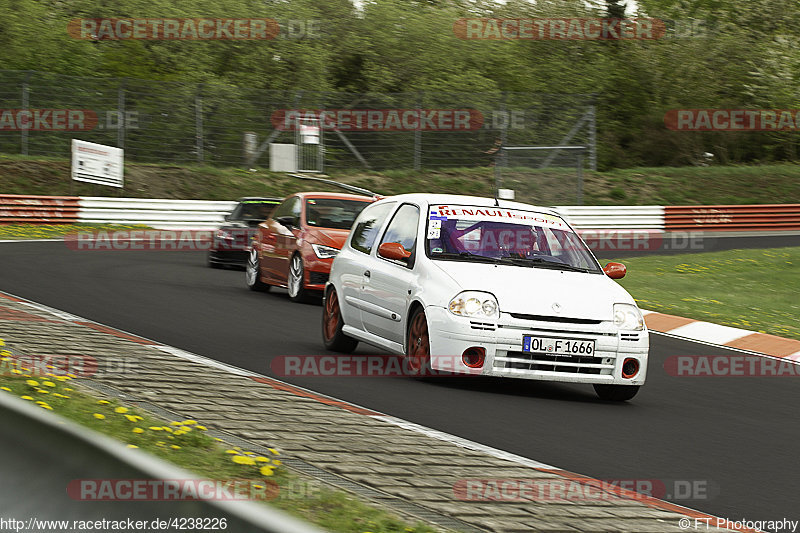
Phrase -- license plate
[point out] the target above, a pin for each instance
(552, 346)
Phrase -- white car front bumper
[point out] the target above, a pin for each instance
(451, 335)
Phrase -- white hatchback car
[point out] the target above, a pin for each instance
(478, 286)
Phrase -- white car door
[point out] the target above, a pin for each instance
(352, 265)
(386, 289)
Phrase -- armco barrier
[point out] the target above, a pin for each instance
(778, 217)
(25, 209)
(41, 454)
(628, 217)
(207, 214)
(161, 214)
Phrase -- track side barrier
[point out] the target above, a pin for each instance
(31, 209)
(43, 454)
(157, 213)
(767, 217)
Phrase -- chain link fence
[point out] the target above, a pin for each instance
(173, 122)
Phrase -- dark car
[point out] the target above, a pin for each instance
(232, 240)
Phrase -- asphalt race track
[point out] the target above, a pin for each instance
(736, 436)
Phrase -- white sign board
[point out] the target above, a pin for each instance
(97, 163)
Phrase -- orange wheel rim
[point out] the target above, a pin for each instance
(331, 315)
(418, 343)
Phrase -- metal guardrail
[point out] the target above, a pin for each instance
(628, 217)
(208, 214)
(15, 208)
(161, 214)
(765, 217)
(41, 453)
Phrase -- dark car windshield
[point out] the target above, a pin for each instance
(333, 213)
(506, 236)
(254, 210)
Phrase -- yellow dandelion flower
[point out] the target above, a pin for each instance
(167, 429)
(179, 433)
(5, 389)
(176, 423)
(189, 422)
(45, 406)
(99, 416)
(67, 389)
(26, 397)
(243, 460)
(15, 371)
(131, 418)
(234, 452)
(274, 451)
(174, 447)
(42, 391)
(121, 410)
(137, 430)
(156, 428)
(277, 462)
(266, 470)
(201, 428)
(262, 459)
(103, 402)
(160, 443)
(132, 446)
(32, 382)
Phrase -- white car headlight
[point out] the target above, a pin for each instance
(324, 252)
(627, 316)
(475, 304)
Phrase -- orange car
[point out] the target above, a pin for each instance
(295, 247)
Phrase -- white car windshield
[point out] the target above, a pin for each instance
(506, 236)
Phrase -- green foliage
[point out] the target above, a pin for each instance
(716, 54)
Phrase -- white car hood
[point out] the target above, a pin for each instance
(536, 291)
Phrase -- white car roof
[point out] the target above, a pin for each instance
(457, 199)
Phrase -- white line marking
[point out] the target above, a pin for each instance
(60, 314)
(199, 359)
(463, 443)
(708, 332)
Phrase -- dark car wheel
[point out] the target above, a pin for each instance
(253, 273)
(332, 336)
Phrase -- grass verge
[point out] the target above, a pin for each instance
(186, 444)
(57, 231)
(749, 289)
